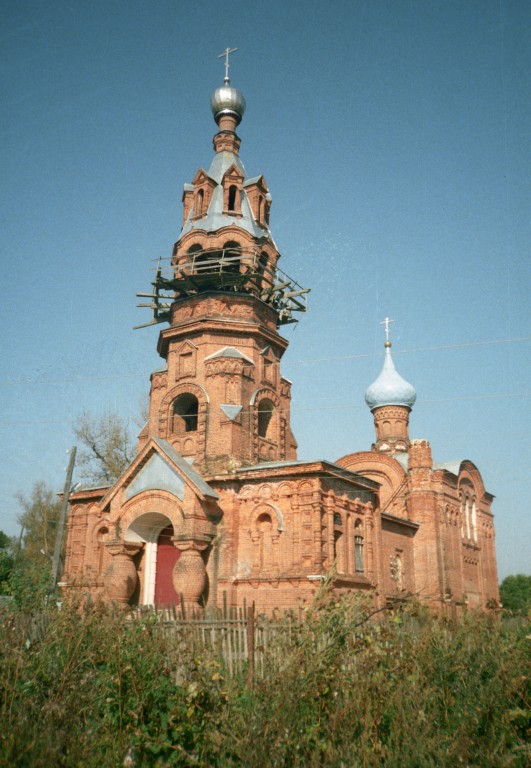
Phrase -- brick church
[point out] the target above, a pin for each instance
(216, 501)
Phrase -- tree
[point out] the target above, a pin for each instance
(106, 447)
(30, 576)
(515, 593)
(106, 451)
(6, 562)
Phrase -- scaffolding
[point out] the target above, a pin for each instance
(242, 270)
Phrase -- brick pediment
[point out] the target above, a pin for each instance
(233, 173)
(200, 177)
(158, 467)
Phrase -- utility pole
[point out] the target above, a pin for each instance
(62, 519)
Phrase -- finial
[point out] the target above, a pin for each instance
(227, 103)
(226, 53)
(386, 322)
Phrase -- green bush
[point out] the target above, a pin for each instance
(515, 594)
(88, 687)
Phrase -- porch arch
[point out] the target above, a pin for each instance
(155, 530)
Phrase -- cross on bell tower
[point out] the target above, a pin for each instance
(387, 321)
(225, 55)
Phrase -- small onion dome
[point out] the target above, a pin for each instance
(390, 388)
(227, 101)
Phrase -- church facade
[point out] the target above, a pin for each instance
(216, 506)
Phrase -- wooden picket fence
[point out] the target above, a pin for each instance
(244, 641)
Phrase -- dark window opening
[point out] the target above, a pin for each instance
(195, 256)
(337, 538)
(232, 256)
(232, 197)
(266, 410)
(185, 413)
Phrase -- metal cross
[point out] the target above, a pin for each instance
(386, 323)
(226, 53)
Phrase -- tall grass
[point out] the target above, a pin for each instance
(94, 689)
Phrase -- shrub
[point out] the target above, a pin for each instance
(88, 687)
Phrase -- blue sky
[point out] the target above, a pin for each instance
(395, 139)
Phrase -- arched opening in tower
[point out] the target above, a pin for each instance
(233, 191)
(232, 256)
(200, 199)
(185, 414)
(266, 420)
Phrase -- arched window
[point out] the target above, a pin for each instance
(474, 521)
(199, 202)
(266, 411)
(467, 516)
(337, 549)
(259, 211)
(195, 256)
(358, 547)
(233, 190)
(185, 412)
(264, 527)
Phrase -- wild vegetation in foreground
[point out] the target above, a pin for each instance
(405, 690)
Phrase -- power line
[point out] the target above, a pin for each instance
(312, 409)
(301, 361)
(440, 347)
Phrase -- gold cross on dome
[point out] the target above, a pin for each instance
(386, 322)
(226, 53)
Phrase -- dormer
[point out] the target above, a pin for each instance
(232, 190)
(259, 199)
(203, 189)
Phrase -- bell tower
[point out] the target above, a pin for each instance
(220, 398)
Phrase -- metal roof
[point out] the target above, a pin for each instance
(390, 388)
(216, 218)
(229, 352)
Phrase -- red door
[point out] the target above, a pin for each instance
(167, 556)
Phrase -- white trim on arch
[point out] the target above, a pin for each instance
(147, 528)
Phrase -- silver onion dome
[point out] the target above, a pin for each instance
(390, 388)
(227, 101)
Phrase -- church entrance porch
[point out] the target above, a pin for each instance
(158, 558)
